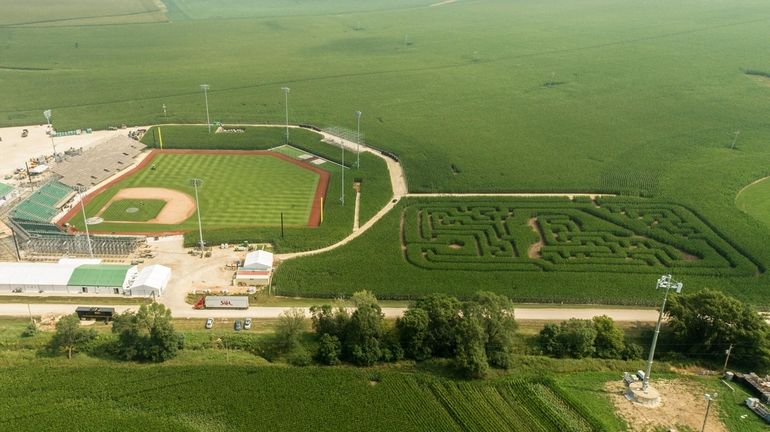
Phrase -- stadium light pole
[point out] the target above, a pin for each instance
(286, 91)
(709, 398)
(85, 221)
(205, 88)
(47, 115)
(666, 282)
(358, 139)
(342, 184)
(196, 183)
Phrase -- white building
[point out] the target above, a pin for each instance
(150, 282)
(68, 277)
(36, 277)
(258, 260)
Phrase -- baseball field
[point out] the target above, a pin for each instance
(236, 189)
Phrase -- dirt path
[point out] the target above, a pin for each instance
(179, 205)
(682, 405)
(533, 252)
(442, 3)
(357, 211)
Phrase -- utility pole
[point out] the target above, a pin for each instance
(205, 88)
(666, 282)
(358, 139)
(727, 357)
(286, 103)
(196, 183)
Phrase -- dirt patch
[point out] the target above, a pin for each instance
(682, 406)
(456, 245)
(533, 252)
(179, 206)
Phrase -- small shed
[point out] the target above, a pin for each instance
(258, 260)
(252, 277)
(150, 282)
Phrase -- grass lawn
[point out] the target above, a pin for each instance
(237, 191)
(755, 201)
(132, 210)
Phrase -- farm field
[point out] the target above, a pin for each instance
(238, 190)
(474, 96)
(189, 398)
(83, 12)
(609, 251)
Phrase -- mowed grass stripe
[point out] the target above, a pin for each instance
(237, 190)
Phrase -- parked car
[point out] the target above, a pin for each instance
(247, 324)
(237, 325)
(209, 323)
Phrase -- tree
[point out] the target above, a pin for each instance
(329, 350)
(362, 298)
(471, 357)
(326, 320)
(147, 335)
(291, 324)
(496, 314)
(610, 339)
(548, 339)
(70, 336)
(707, 322)
(363, 335)
(443, 319)
(413, 333)
(573, 338)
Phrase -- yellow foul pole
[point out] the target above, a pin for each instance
(160, 138)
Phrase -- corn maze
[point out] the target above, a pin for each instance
(606, 235)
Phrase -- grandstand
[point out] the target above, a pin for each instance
(30, 221)
(44, 203)
(99, 163)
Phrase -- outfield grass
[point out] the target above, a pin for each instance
(237, 191)
(755, 201)
(132, 210)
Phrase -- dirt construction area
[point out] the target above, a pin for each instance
(682, 408)
(179, 205)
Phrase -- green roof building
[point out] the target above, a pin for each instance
(103, 278)
(4, 190)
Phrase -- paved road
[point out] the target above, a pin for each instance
(522, 313)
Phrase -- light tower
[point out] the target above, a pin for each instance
(47, 115)
(709, 398)
(286, 91)
(667, 283)
(205, 88)
(80, 190)
(342, 184)
(358, 139)
(196, 183)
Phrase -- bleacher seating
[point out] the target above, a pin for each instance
(99, 163)
(44, 203)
